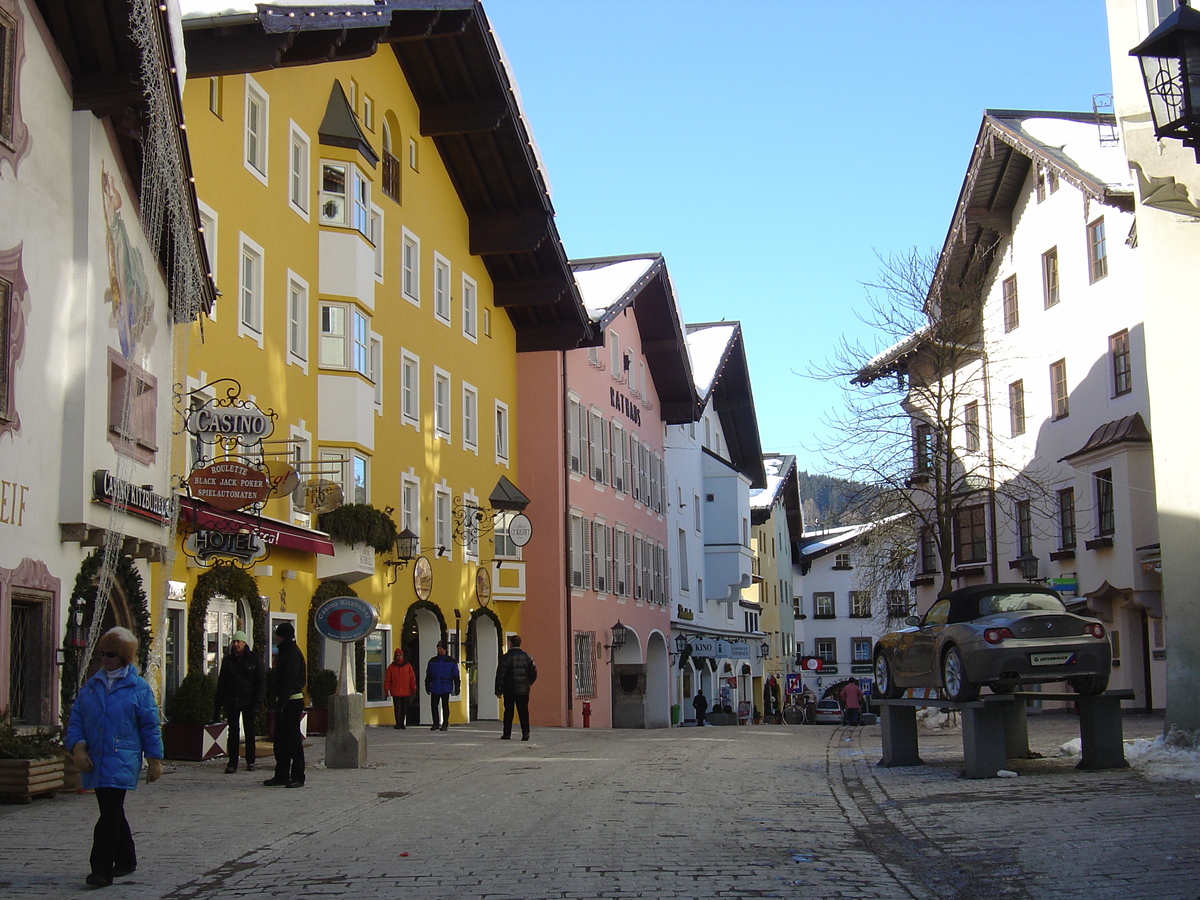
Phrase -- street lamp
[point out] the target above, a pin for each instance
(1170, 59)
(618, 640)
(408, 545)
(682, 649)
(1029, 566)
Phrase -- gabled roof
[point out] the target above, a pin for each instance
(611, 284)
(783, 488)
(722, 376)
(468, 105)
(1127, 430)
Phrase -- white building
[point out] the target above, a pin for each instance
(711, 466)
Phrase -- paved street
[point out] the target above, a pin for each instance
(771, 811)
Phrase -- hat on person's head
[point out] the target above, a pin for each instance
(285, 630)
(398, 652)
(121, 641)
(442, 645)
(240, 636)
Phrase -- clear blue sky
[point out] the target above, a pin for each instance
(770, 149)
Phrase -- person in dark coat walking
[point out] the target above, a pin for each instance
(290, 678)
(241, 687)
(441, 679)
(514, 677)
(114, 722)
(700, 705)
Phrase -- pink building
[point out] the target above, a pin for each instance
(591, 436)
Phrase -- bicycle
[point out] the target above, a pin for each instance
(795, 711)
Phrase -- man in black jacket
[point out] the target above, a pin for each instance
(240, 689)
(290, 677)
(514, 676)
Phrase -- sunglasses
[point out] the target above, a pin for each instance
(108, 654)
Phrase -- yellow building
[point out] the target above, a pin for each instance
(383, 244)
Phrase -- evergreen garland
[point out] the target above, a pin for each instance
(228, 581)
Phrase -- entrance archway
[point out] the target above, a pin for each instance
(484, 636)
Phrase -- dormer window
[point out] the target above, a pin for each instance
(345, 197)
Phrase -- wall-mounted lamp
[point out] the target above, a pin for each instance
(619, 632)
(764, 650)
(408, 545)
(682, 649)
(1170, 60)
(1029, 567)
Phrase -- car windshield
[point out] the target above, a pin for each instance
(1007, 603)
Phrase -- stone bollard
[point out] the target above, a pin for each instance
(346, 744)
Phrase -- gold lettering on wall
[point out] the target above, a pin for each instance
(12, 503)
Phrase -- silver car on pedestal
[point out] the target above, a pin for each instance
(1000, 635)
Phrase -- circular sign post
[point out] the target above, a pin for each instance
(520, 529)
(346, 620)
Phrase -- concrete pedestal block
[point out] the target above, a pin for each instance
(1101, 733)
(900, 736)
(984, 741)
(346, 744)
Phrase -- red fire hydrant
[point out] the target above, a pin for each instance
(587, 714)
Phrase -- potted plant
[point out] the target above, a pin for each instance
(321, 686)
(190, 732)
(757, 716)
(361, 523)
(30, 763)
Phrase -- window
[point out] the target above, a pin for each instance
(441, 404)
(971, 426)
(1118, 350)
(1058, 390)
(585, 664)
(297, 318)
(580, 534)
(347, 469)
(574, 448)
(298, 171)
(929, 552)
(923, 446)
(505, 547)
(390, 182)
(684, 578)
(501, 432)
(826, 649)
(841, 561)
(470, 417)
(1105, 511)
(860, 649)
(970, 535)
(377, 652)
(345, 338)
(1050, 277)
(412, 154)
(410, 389)
(376, 237)
(250, 290)
(1023, 516)
(441, 288)
(441, 518)
(208, 227)
(1097, 251)
(255, 140)
(132, 408)
(410, 267)
(601, 557)
(898, 604)
(1011, 315)
(410, 504)
(1016, 407)
(333, 193)
(368, 113)
(470, 324)
(216, 96)
(596, 446)
(823, 605)
(1066, 519)
(1040, 188)
(375, 369)
(860, 604)
(614, 354)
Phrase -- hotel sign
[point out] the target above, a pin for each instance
(205, 546)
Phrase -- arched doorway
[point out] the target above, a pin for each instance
(424, 626)
(484, 636)
(658, 674)
(628, 683)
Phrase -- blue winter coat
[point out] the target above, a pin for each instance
(119, 726)
(441, 675)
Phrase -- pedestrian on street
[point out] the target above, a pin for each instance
(400, 683)
(441, 679)
(514, 677)
(700, 705)
(290, 677)
(852, 698)
(241, 687)
(114, 722)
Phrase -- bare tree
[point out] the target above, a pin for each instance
(915, 427)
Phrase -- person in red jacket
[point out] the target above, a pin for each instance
(400, 683)
(852, 700)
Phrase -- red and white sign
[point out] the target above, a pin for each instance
(229, 485)
(811, 663)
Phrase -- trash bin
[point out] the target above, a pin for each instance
(676, 713)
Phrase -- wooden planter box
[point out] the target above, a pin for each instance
(23, 779)
(316, 720)
(194, 742)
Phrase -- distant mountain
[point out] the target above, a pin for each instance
(832, 502)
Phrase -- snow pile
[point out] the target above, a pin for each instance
(932, 718)
(1175, 757)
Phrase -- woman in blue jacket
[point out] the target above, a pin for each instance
(114, 721)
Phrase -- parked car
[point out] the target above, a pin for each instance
(1000, 635)
(829, 712)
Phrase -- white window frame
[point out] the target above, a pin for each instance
(334, 205)
(503, 423)
(410, 391)
(410, 503)
(470, 309)
(470, 418)
(354, 339)
(442, 518)
(443, 406)
(376, 238)
(250, 296)
(299, 170)
(410, 267)
(375, 367)
(297, 321)
(596, 468)
(368, 112)
(349, 463)
(300, 440)
(209, 225)
(471, 548)
(254, 142)
(614, 354)
(441, 288)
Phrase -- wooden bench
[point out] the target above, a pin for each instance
(995, 729)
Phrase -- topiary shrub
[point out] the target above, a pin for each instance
(321, 686)
(192, 702)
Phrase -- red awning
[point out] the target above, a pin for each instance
(198, 514)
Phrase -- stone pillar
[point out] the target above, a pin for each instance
(346, 745)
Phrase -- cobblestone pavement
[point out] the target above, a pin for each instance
(769, 811)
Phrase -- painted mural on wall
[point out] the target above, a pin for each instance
(128, 288)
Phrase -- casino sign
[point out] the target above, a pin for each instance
(346, 619)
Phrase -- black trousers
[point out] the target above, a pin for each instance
(442, 701)
(700, 714)
(400, 708)
(521, 703)
(237, 718)
(289, 742)
(112, 841)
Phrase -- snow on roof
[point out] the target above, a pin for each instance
(707, 346)
(762, 498)
(843, 536)
(604, 285)
(1078, 143)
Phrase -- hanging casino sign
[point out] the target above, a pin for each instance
(346, 619)
(229, 485)
(227, 419)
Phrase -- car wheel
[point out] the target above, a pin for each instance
(885, 684)
(954, 678)
(1088, 684)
